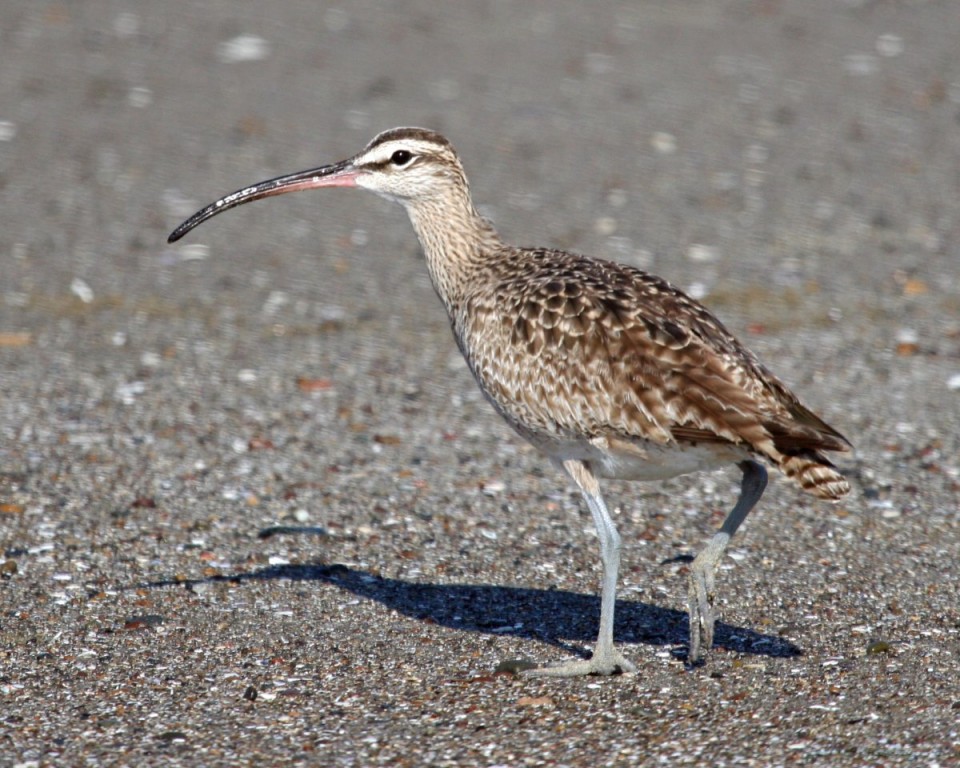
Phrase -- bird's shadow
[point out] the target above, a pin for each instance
(567, 620)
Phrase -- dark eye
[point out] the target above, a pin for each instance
(401, 157)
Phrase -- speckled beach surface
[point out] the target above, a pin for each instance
(253, 508)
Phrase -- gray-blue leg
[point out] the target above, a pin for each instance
(700, 592)
(606, 660)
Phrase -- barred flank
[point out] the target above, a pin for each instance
(815, 474)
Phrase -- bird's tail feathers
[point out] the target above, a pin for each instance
(814, 473)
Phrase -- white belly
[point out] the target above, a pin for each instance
(643, 460)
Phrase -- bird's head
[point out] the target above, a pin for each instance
(407, 165)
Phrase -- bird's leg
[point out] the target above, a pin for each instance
(700, 593)
(606, 660)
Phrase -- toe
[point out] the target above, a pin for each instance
(606, 664)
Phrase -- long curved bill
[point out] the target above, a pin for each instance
(342, 174)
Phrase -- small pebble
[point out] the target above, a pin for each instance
(194, 252)
(128, 393)
(535, 701)
(878, 646)
(144, 621)
(494, 487)
(605, 225)
(243, 48)
(664, 143)
(703, 254)
(907, 342)
(172, 736)
(275, 301)
(82, 290)
(514, 666)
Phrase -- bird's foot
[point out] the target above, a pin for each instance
(610, 662)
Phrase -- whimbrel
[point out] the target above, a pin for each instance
(608, 370)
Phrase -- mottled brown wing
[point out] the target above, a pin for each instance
(587, 346)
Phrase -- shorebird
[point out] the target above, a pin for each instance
(609, 371)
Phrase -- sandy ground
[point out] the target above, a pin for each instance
(253, 508)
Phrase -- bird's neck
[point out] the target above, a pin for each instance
(458, 244)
